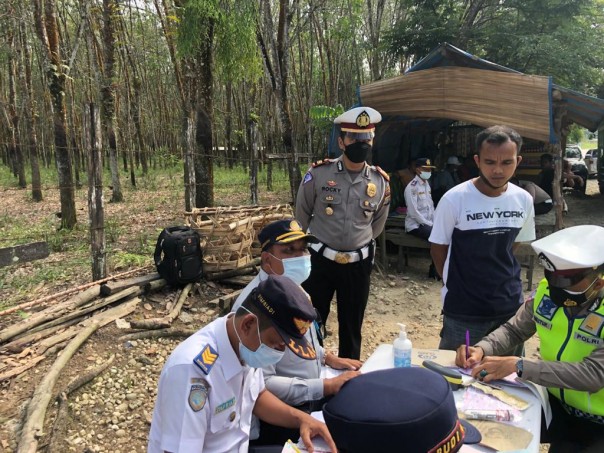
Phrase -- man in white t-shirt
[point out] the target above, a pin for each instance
(475, 227)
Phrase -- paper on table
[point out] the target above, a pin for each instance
(541, 393)
(328, 372)
(474, 399)
(318, 442)
(508, 398)
(290, 447)
(511, 379)
(502, 436)
(440, 356)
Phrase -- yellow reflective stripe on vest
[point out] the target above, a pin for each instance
(565, 340)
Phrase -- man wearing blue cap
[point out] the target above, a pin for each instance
(567, 313)
(344, 203)
(409, 410)
(212, 382)
(293, 380)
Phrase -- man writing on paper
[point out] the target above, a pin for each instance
(567, 312)
(293, 380)
(212, 383)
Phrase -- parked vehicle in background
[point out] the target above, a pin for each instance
(591, 161)
(574, 155)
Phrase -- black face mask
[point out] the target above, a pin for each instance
(357, 151)
(563, 298)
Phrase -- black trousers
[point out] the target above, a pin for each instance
(543, 208)
(422, 231)
(570, 434)
(350, 282)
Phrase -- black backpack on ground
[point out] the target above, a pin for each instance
(178, 255)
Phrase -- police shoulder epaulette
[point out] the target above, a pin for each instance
(383, 173)
(206, 358)
(321, 162)
(413, 182)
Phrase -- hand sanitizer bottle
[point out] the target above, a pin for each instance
(402, 349)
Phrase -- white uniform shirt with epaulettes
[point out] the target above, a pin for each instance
(205, 396)
(343, 214)
(420, 207)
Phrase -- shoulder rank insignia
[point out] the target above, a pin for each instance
(383, 173)
(198, 395)
(321, 162)
(206, 358)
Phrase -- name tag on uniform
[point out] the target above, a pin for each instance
(588, 339)
(592, 324)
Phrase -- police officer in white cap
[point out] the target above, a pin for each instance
(344, 202)
(567, 312)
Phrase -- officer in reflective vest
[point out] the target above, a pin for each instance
(567, 313)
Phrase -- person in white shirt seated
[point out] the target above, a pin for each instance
(418, 198)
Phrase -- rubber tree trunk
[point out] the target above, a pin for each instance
(110, 10)
(189, 146)
(96, 208)
(48, 32)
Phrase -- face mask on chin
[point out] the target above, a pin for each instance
(569, 299)
(296, 269)
(357, 152)
(261, 357)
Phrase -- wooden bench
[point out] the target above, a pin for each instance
(405, 242)
(394, 231)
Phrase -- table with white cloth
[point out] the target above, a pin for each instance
(382, 358)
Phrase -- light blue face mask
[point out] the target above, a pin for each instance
(425, 175)
(261, 357)
(296, 269)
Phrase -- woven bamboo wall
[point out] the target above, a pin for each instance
(477, 96)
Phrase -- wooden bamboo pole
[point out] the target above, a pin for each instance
(36, 410)
(70, 291)
(43, 316)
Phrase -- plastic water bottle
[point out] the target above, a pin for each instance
(402, 349)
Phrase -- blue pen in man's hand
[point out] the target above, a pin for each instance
(467, 344)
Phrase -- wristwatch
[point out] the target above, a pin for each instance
(519, 367)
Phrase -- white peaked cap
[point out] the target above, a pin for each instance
(362, 117)
(572, 248)
(360, 121)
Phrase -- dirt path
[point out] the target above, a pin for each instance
(112, 413)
